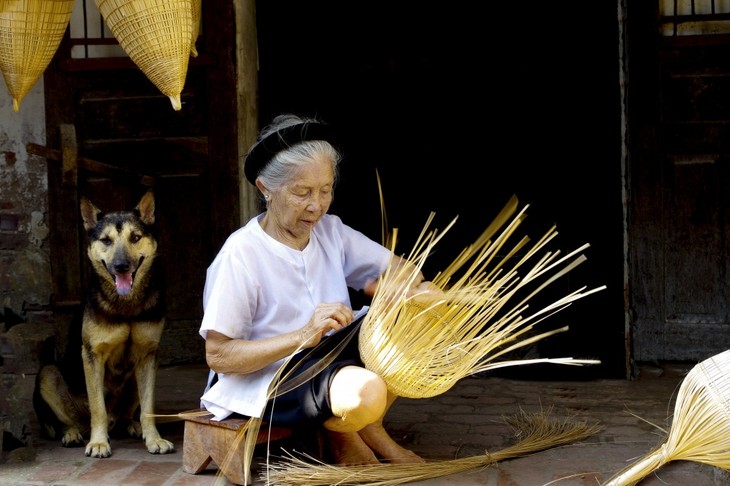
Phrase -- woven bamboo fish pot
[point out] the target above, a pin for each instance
(158, 37)
(197, 15)
(423, 345)
(30, 33)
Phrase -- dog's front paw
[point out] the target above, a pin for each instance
(159, 446)
(72, 438)
(98, 449)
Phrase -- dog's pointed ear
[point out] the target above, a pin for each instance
(89, 213)
(146, 208)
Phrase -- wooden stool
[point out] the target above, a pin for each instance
(208, 440)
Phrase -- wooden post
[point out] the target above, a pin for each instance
(69, 156)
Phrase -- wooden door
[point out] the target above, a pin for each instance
(189, 157)
(679, 226)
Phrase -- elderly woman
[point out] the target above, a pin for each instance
(279, 287)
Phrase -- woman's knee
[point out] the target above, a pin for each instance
(358, 395)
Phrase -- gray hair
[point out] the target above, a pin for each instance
(278, 170)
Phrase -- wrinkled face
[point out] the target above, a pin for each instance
(119, 246)
(301, 203)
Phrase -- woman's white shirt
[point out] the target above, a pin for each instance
(257, 287)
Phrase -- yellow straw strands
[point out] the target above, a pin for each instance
(158, 37)
(536, 432)
(30, 33)
(423, 345)
(700, 430)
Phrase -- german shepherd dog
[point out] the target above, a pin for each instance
(121, 326)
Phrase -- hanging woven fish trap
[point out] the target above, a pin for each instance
(158, 37)
(30, 33)
(197, 18)
(477, 314)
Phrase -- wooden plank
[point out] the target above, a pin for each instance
(223, 135)
(69, 156)
(65, 236)
(206, 439)
(87, 164)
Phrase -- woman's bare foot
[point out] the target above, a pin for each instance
(377, 439)
(349, 448)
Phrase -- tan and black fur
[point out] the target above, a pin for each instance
(123, 319)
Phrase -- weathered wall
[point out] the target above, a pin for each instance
(25, 271)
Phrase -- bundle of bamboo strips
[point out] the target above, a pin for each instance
(536, 432)
(424, 344)
(700, 431)
(30, 33)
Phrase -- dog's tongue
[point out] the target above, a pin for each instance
(123, 282)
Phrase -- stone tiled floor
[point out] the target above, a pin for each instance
(468, 420)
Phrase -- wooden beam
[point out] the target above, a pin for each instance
(86, 164)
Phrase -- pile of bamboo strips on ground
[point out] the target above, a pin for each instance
(536, 432)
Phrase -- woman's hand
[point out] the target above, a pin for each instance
(227, 355)
(327, 317)
(426, 292)
(402, 268)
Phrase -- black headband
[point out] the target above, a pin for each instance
(266, 148)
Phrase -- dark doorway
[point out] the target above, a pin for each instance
(458, 109)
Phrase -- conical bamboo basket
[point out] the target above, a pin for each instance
(30, 32)
(197, 17)
(423, 345)
(158, 37)
(701, 428)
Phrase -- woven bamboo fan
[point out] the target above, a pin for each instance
(30, 32)
(701, 428)
(421, 346)
(158, 37)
